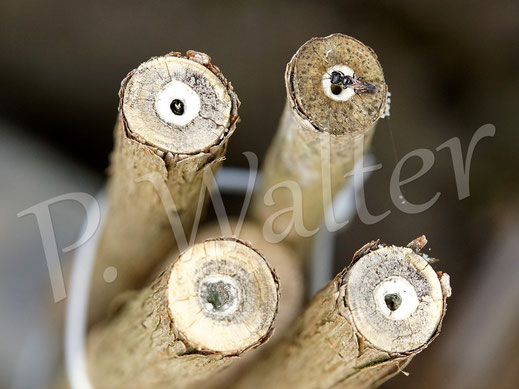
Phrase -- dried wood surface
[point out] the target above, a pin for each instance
(320, 135)
(285, 261)
(363, 328)
(159, 157)
(217, 300)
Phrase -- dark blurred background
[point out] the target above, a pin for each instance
(451, 68)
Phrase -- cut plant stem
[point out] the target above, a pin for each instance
(285, 261)
(323, 130)
(354, 334)
(176, 115)
(217, 300)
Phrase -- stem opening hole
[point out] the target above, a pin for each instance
(177, 107)
(393, 301)
(219, 296)
(336, 89)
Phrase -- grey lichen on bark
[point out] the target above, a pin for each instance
(363, 327)
(176, 116)
(217, 300)
(321, 134)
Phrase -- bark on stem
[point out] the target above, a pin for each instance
(320, 135)
(217, 300)
(176, 115)
(364, 327)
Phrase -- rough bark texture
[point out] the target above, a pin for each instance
(329, 348)
(155, 159)
(148, 343)
(319, 137)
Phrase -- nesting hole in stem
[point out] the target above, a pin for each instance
(219, 296)
(336, 89)
(177, 107)
(393, 301)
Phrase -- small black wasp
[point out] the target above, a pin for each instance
(338, 78)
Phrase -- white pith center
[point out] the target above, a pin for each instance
(326, 82)
(177, 90)
(396, 286)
